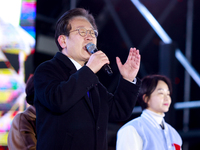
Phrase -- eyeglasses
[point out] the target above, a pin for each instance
(83, 32)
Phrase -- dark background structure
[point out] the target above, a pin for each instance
(121, 26)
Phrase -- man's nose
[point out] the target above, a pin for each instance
(89, 36)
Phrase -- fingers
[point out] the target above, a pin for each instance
(134, 55)
(134, 52)
(130, 53)
(97, 60)
(101, 57)
(119, 63)
(137, 57)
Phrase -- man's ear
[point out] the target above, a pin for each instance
(145, 98)
(61, 41)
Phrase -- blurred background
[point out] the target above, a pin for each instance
(165, 31)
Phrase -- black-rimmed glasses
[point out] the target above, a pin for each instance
(83, 32)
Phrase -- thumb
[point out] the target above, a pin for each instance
(119, 63)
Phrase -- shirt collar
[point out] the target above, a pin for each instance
(157, 117)
(76, 64)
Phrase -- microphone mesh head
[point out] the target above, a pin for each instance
(90, 47)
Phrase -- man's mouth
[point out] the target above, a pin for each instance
(85, 48)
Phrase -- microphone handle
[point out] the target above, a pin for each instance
(107, 69)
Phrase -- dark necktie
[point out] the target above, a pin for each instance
(162, 125)
(88, 93)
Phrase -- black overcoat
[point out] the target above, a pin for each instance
(66, 118)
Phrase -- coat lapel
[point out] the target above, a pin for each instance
(94, 93)
(89, 104)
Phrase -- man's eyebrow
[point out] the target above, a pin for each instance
(83, 27)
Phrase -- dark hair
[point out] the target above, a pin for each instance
(63, 27)
(30, 90)
(149, 84)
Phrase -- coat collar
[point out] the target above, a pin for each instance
(66, 61)
(150, 119)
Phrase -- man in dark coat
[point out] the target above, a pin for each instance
(72, 107)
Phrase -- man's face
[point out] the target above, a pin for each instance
(75, 43)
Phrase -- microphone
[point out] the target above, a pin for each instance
(91, 48)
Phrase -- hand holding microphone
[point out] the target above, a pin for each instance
(91, 48)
